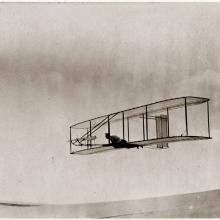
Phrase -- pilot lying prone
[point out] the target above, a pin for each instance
(117, 142)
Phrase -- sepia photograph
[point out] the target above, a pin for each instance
(109, 110)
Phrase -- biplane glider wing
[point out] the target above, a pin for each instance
(152, 125)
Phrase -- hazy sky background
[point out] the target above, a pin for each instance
(62, 63)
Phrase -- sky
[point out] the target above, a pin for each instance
(62, 63)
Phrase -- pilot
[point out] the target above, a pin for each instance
(116, 141)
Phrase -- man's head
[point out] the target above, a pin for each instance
(107, 135)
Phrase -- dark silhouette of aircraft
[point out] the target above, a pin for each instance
(87, 139)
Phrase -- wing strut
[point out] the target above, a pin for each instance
(146, 123)
(186, 118)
